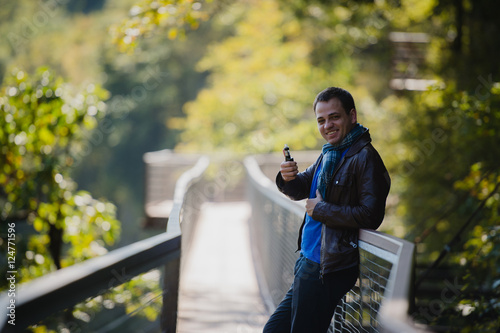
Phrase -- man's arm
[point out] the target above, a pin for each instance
(373, 187)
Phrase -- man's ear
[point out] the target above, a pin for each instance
(354, 116)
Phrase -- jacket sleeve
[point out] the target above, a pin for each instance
(373, 184)
(300, 187)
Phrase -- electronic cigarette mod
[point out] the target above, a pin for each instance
(286, 152)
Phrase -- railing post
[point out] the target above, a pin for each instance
(170, 295)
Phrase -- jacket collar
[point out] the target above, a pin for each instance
(359, 144)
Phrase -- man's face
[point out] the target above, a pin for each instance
(333, 122)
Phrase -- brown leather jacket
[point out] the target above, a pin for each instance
(355, 199)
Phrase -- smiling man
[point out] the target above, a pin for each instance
(346, 189)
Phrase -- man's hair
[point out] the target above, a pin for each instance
(343, 95)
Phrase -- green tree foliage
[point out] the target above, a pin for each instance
(44, 127)
(146, 87)
(452, 171)
(173, 16)
(458, 127)
(45, 130)
(448, 165)
(264, 78)
(256, 99)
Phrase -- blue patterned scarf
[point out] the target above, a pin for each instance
(332, 155)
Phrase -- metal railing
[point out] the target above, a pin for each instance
(62, 289)
(382, 297)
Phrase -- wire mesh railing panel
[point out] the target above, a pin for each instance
(358, 311)
(272, 228)
(134, 306)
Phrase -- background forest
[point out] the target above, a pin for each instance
(89, 86)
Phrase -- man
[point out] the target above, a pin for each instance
(346, 189)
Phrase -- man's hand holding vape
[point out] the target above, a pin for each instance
(288, 167)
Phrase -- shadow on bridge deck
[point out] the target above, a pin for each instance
(218, 287)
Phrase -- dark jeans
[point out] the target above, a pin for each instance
(310, 303)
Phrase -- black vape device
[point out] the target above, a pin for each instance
(286, 152)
